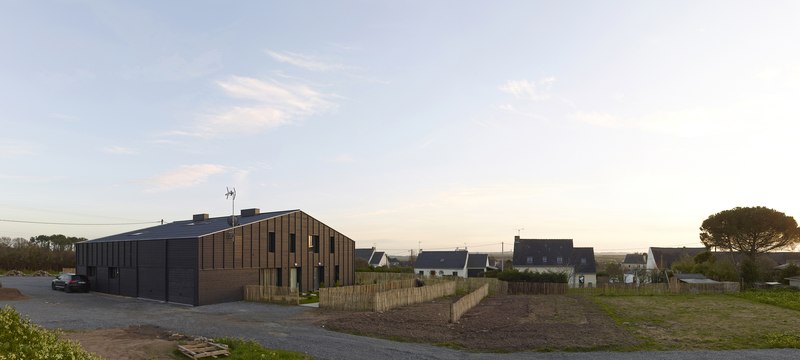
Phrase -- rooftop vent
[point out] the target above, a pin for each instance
(250, 212)
(199, 217)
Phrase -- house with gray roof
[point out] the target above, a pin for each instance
(442, 263)
(208, 260)
(477, 264)
(634, 261)
(556, 255)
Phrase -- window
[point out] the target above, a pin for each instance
(421, 272)
(583, 261)
(292, 243)
(278, 277)
(336, 275)
(332, 245)
(315, 243)
(271, 241)
(113, 272)
(455, 273)
(559, 260)
(544, 259)
(530, 260)
(441, 273)
(310, 241)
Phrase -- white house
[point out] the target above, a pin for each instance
(558, 256)
(442, 263)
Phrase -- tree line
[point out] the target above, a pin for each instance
(43, 252)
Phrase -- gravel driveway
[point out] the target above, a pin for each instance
(277, 326)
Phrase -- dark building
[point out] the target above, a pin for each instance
(207, 260)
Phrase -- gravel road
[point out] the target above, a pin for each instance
(276, 326)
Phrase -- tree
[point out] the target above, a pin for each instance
(750, 231)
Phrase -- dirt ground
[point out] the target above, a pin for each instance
(132, 343)
(499, 323)
(11, 294)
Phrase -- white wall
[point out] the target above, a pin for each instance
(446, 272)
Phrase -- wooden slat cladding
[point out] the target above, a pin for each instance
(251, 250)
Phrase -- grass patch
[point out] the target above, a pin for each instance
(785, 298)
(310, 298)
(692, 322)
(241, 349)
(20, 339)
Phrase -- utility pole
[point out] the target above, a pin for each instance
(502, 256)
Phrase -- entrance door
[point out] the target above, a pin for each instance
(319, 277)
(293, 278)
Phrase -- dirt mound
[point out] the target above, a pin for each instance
(11, 294)
(15, 273)
(42, 273)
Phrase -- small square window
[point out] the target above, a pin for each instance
(544, 259)
(530, 260)
(559, 260)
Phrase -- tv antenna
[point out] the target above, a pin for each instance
(519, 231)
(231, 193)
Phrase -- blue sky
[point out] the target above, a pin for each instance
(622, 124)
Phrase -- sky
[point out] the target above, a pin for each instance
(404, 125)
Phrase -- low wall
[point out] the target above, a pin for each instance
(401, 297)
(467, 302)
(271, 294)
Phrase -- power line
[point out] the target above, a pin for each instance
(82, 224)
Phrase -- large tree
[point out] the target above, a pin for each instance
(750, 230)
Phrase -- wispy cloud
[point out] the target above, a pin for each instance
(529, 90)
(269, 104)
(303, 61)
(13, 148)
(185, 176)
(119, 150)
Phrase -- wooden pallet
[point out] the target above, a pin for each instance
(204, 349)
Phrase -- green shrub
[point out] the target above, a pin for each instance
(527, 276)
(19, 339)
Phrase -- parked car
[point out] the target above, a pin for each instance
(70, 283)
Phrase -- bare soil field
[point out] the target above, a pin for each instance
(502, 323)
(132, 343)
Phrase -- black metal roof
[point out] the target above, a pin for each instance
(376, 258)
(365, 254)
(540, 250)
(441, 259)
(634, 259)
(185, 229)
(477, 261)
(583, 260)
(664, 257)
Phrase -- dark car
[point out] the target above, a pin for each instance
(70, 283)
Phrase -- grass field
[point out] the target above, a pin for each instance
(715, 322)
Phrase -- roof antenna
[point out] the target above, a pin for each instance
(231, 193)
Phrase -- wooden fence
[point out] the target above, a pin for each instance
(528, 288)
(658, 289)
(358, 297)
(467, 302)
(471, 284)
(401, 297)
(271, 294)
(380, 277)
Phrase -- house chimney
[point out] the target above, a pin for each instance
(516, 238)
(250, 212)
(199, 217)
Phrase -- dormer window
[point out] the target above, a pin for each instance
(583, 261)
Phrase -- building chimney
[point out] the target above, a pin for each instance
(199, 217)
(250, 212)
(516, 238)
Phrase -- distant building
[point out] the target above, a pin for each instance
(442, 263)
(634, 262)
(478, 264)
(659, 259)
(559, 256)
